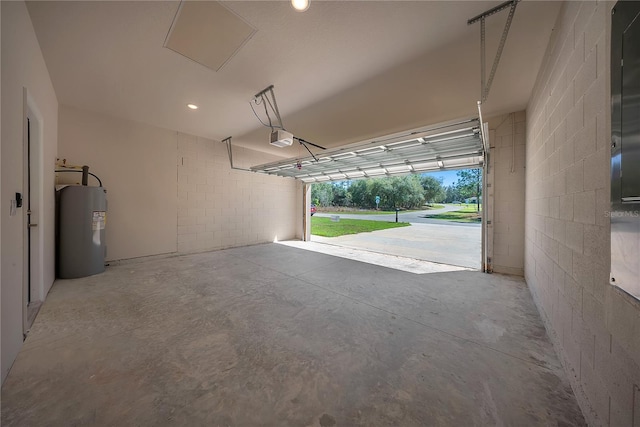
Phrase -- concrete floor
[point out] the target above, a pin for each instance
(272, 335)
(445, 242)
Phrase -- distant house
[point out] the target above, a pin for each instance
(472, 200)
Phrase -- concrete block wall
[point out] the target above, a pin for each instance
(170, 192)
(507, 160)
(219, 207)
(136, 163)
(595, 326)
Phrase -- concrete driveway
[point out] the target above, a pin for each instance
(444, 242)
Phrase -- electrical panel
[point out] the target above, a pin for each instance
(625, 147)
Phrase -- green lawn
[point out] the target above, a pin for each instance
(469, 208)
(327, 228)
(466, 213)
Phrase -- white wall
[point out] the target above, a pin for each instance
(137, 166)
(596, 327)
(507, 139)
(170, 192)
(221, 207)
(23, 66)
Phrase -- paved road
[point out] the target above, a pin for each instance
(412, 217)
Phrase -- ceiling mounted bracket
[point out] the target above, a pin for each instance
(485, 85)
(266, 96)
(227, 141)
(483, 135)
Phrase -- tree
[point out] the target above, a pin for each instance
(394, 192)
(341, 197)
(470, 184)
(432, 186)
(322, 194)
(359, 193)
(380, 187)
(408, 192)
(452, 194)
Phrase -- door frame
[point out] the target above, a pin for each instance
(33, 251)
(487, 202)
(306, 209)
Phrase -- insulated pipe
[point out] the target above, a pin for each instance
(85, 175)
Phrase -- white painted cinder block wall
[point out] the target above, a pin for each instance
(23, 67)
(170, 192)
(507, 161)
(136, 163)
(596, 327)
(220, 207)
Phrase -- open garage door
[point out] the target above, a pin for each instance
(447, 146)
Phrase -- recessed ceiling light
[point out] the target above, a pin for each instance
(300, 5)
(192, 106)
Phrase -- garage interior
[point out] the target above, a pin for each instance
(201, 319)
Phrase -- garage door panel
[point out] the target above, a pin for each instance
(454, 145)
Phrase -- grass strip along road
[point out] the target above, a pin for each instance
(468, 213)
(327, 228)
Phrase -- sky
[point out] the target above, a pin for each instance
(448, 177)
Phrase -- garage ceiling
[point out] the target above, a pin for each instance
(447, 146)
(344, 71)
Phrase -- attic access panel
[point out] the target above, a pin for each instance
(447, 146)
(207, 33)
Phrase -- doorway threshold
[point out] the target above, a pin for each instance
(410, 265)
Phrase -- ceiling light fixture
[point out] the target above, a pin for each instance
(192, 106)
(300, 5)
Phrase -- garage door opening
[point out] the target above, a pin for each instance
(428, 217)
(405, 158)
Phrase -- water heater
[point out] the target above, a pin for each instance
(82, 217)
